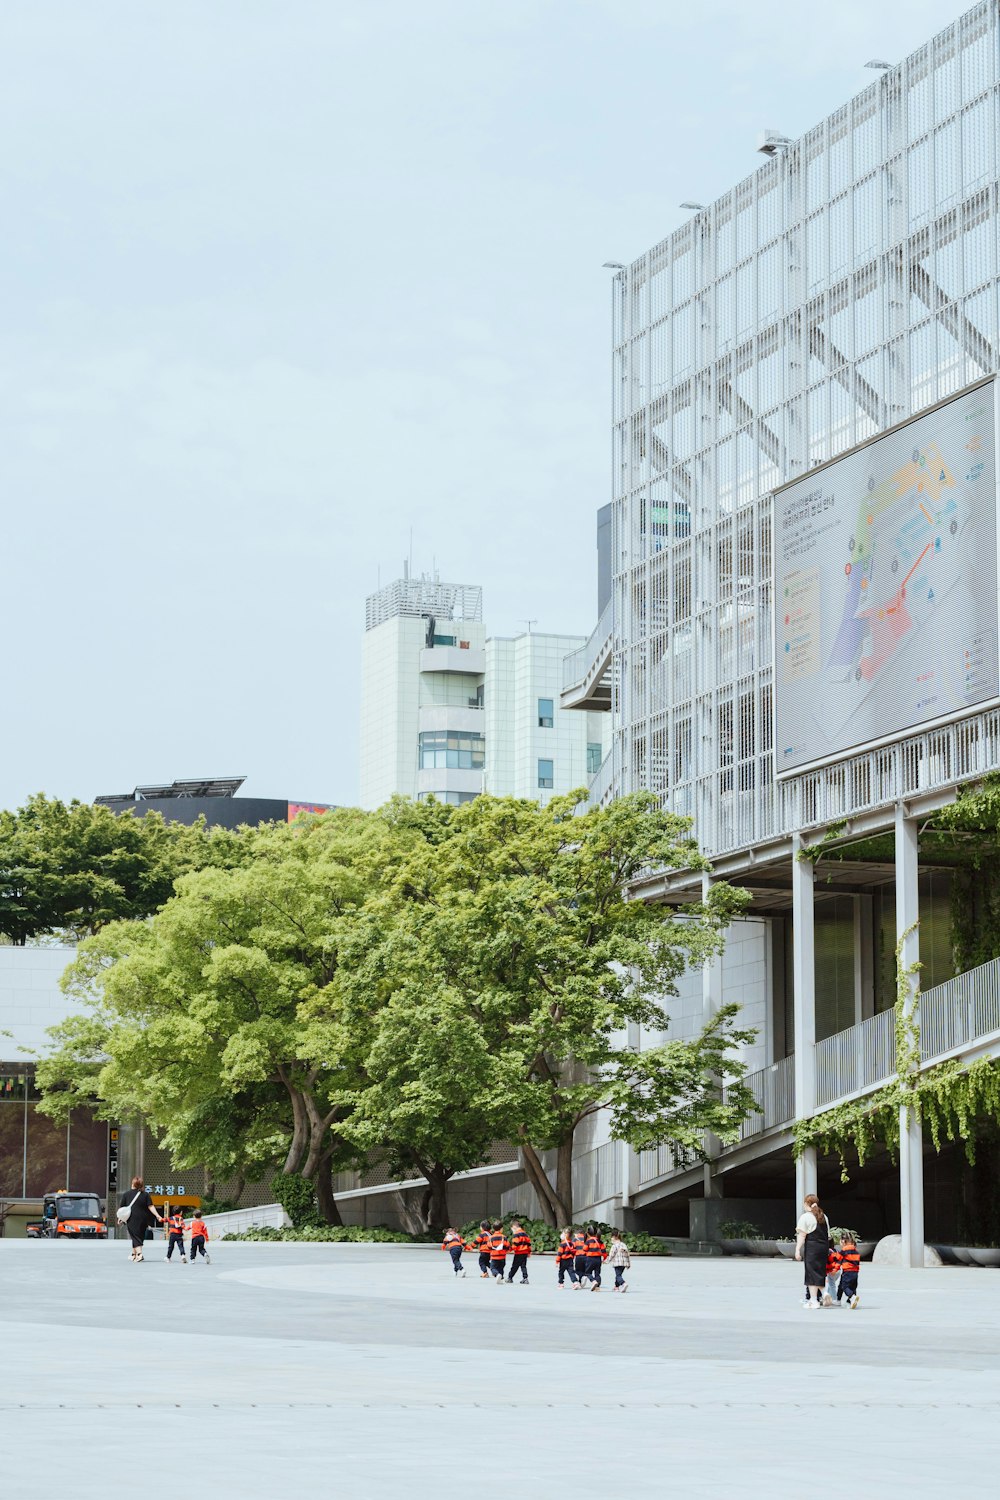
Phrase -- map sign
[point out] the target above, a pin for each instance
(886, 586)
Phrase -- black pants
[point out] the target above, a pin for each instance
(594, 1269)
(519, 1263)
(456, 1258)
(566, 1269)
(484, 1262)
(178, 1240)
(498, 1267)
(197, 1243)
(581, 1266)
(848, 1284)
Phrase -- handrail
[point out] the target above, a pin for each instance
(577, 663)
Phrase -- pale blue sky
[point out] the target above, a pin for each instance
(286, 278)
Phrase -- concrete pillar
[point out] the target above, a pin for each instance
(911, 1147)
(804, 1007)
(711, 1004)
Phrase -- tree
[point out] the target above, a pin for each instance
(74, 868)
(195, 1014)
(523, 914)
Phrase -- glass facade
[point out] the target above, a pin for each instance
(37, 1156)
(452, 750)
(846, 285)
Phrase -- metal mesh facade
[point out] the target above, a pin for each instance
(846, 285)
(421, 597)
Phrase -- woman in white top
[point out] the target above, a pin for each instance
(812, 1245)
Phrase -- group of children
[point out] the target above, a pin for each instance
(198, 1230)
(843, 1266)
(580, 1254)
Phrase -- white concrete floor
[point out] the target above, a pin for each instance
(370, 1371)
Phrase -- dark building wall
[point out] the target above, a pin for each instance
(603, 558)
(219, 812)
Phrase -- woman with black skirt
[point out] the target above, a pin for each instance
(812, 1245)
(142, 1212)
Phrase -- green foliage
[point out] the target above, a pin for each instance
(332, 1234)
(739, 1229)
(297, 1197)
(217, 1206)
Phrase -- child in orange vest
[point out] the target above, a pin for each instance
(499, 1246)
(175, 1234)
(596, 1254)
(850, 1268)
(454, 1244)
(565, 1256)
(482, 1244)
(199, 1238)
(521, 1246)
(832, 1273)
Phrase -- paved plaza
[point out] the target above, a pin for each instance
(369, 1371)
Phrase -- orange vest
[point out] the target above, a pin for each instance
(850, 1261)
(498, 1245)
(198, 1226)
(176, 1223)
(521, 1244)
(595, 1247)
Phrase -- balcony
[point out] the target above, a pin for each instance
(469, 660)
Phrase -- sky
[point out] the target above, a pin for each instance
(298, 288)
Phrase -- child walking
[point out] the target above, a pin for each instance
(175, 1234)
(199, 1239)
(580, 1263)
(520, 1243)
(850, 1264)
(499, 1246)
(482, 1244)
(596, 1253)
(833, 1263)
(619, 1260)
(564, 1260)
(454, 1244)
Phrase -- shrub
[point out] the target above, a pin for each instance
(297, 1197)
(333, 1234)
(738, 1229)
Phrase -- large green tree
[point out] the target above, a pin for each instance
(522, 920)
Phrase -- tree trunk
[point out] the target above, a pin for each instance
(329, 1211)
(437, 1199)
(409, 1215)
(564, 1175)
(554, 1211)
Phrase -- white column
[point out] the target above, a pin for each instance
(804, 1008)
(911, 1147)
(711, 1004)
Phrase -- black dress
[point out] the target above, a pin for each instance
(815, 1253)
(140, 1218)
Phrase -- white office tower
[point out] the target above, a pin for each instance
(803, 647)
(448, 712)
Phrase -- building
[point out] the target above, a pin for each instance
(214, 798)
(449, 711)
(848, 284)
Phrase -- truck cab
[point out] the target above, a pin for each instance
(67, 1215)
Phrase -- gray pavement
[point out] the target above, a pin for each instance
(371, 1371)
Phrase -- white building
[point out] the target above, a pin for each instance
(448, 711)
(848, 284)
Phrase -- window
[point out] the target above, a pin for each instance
(443, 640)
(450, 799)
(545, 713)
(459, 749)
(594, 759)
(545, 777)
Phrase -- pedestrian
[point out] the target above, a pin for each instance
(812, 1245)
(564, 1260)
(454, 1244)
(175, 1234)
(482, 1244)
(141, 1213)
(499, 1246)
(520, 1243)
(832, 1275)
(596, 1255)
(850, 1269)
(580, 1263)
(199, 1238)
(619, 1260)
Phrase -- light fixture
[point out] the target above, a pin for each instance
(613, 265)
(696, 206)
(877, 62)
(772, 141)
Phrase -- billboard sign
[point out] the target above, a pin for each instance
(885, 587)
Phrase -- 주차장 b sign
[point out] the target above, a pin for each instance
(885, 590)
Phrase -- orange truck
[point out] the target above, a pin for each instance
(70, 1216)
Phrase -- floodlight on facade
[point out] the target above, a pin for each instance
(612, 265)
(877, 62)
(697, 207)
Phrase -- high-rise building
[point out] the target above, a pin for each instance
(448, 711)
(848, 284)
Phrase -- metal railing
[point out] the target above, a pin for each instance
(578, 663)
(657, 1162)
(773, 1088)
(962, 1010)
(859, 1058)
(597, 1175)
(602, 782)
